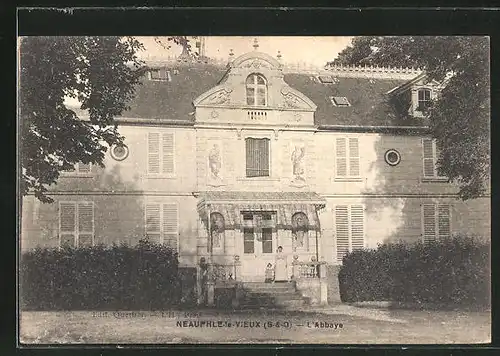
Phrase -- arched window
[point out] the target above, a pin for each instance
(217, 227)
(256, 86)
(424, 99)
(300, 228)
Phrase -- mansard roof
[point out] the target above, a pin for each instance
(172, 101)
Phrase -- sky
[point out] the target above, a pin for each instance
(310, 50)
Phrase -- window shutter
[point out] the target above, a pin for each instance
(153, 228)
(444, 221)
(342, 230)
(429, 222)
(428, 157)
(264, 157)
(170, 225)
(168, 153)
(154, 152)
(85, 223)
(249, 157)
(84, 168)
(353, 157)
(341, 157)
(357, 227)
(67, 223)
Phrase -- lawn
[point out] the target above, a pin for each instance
(329, 326)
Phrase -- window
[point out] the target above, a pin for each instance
(162, 223)
(119, 152)
(256, 90)
(430, 154)
(436, 221)
(340, 101)
(325, 79)
(424, 99)
(248, 240)
(161, 153)
(258, 232)
(80, 169)
(160, 74)
(76, 224)
(347, 157)
(349, 228)
(257, 157)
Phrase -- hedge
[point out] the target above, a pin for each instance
(144, 277)
(454, 272)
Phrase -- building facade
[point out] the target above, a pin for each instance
(227, 163)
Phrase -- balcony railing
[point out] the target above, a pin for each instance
(257, 115)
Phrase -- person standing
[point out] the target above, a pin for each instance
(280, 266)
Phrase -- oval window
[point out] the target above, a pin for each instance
(392, 157)
(119, 152)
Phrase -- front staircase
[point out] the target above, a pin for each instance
(255, 295)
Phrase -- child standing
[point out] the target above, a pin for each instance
(269, 273)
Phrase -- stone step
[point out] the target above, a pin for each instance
(294, 303)
(271, 293)
(268, 298)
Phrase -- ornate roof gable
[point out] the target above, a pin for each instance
(231, 92)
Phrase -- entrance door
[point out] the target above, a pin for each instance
(259, 245)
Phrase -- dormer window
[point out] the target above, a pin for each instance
(256, 87)
(424, 99)
(160, 74)
(340, 101)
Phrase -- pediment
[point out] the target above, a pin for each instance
(255, 60)
(219, 95)
(293, 99)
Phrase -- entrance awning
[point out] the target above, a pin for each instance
(285, 204)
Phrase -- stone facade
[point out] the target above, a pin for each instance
(209, 153)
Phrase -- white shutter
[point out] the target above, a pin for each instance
(168, 153)
(84, 168)
(428, 157)
(429, 222)
(67, 223)
(85, 224)
(153, 153)
(357, 227)
(353, 157)
(342, 230)
(153, 227)
(170, 225)
(341, 154)
(444, 221)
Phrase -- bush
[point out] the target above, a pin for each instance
(453, 272)
(118, 277)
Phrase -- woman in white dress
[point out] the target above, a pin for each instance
(280, 273)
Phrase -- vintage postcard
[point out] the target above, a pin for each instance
(254, 190)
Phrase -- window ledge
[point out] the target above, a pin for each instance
(160, 176)
(348, 179)
(258, 179)
(77, 175)
(434, 180)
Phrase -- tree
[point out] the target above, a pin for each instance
(101, 72)
(460, 117)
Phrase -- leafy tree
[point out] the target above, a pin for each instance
(101, 72)
(459, 118)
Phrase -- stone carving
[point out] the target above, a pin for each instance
(291, 100)
(298, 163)
(220, 97)
(214, 162)
(217, 229)
(257, 64)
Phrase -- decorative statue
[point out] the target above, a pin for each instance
(297, 162)
(217, 228)
(299, 229)
(214, 161)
